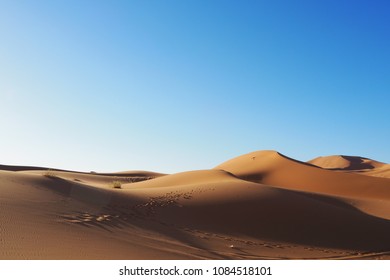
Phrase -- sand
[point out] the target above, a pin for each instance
(261, 205)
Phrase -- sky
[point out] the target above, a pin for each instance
(174, 85)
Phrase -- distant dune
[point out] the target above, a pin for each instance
(261, 205)
(353, 164)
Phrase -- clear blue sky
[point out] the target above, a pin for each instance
(178, 85)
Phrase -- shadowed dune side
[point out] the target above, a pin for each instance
(272, 168)
(219, 202)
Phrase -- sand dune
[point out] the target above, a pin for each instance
(273, 168)
(346, 163)
(353, 164)
(262, 205)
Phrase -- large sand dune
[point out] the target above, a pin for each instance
(261, 205)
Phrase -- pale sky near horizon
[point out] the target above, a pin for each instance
(170, 86)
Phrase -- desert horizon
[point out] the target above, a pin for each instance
(261, 205)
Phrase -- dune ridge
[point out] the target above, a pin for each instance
(262, 205)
